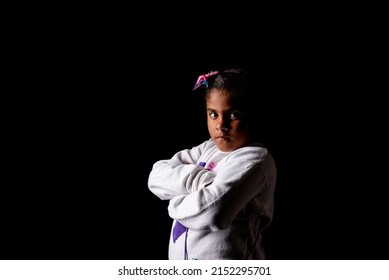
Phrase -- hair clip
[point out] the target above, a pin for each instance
(203, 79)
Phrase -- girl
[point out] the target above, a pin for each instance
(221, 192)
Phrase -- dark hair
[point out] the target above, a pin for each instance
(242, 85)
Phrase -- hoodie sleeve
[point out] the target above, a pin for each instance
(245, 174)
(179, 175)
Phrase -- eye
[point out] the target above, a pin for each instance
(235, 115)
(213, 115)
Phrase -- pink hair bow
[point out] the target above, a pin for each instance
(203, 79)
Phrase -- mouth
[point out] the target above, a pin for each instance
(222, 137)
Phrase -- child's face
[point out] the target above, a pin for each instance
(227, 125)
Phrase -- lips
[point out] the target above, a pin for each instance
(222, 137)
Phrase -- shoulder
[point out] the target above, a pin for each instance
(252, 155)
(255, 152)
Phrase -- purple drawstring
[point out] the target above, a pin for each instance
(178, 230)
(186, 244)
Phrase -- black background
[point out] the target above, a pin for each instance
(89, 113)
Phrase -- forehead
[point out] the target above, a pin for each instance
(224, 100)
(218, 98)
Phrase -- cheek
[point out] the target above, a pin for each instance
(243, 129)
(211, 127)
(243, 125)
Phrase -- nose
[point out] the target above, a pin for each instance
(222, 123)
(221, 127)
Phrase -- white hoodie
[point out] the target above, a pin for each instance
(220, 202)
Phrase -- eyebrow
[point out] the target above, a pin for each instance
(228, 110)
